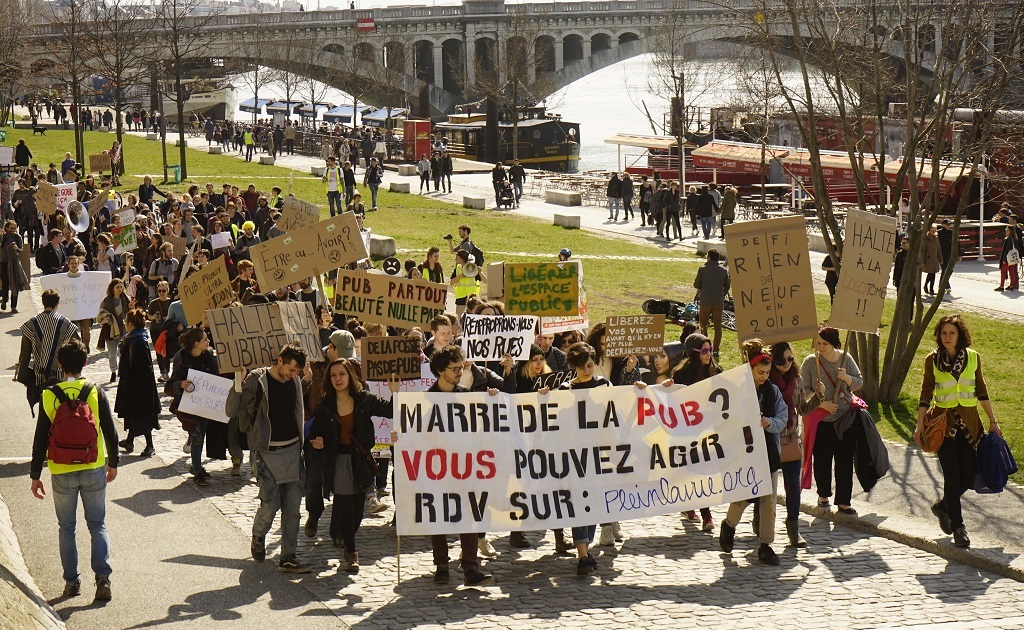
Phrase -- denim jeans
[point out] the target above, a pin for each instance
(791, 483)
(614, 205)
(286, 497)
(334, 202)
(583, 534)
(706, 225)
(112, 352)
(517, 186)
(373, 195)
(91, 485)
(197, 444)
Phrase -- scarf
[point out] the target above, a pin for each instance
(953, 365)
(787, 386)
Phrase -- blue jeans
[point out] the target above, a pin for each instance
(614, 205)
(791, 484)
(583, 534)
(286, 497)
(197, 445)
(517, 186)
(706, 225)
(373, 195)
(334, 202)
(91, 485)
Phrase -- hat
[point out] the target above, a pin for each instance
(945, 222)
(344, 343)
(565, 251)
(694, 342)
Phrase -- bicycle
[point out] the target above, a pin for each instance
(680, 313)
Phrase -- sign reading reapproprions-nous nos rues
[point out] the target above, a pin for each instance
(478, 463)
(490, 337)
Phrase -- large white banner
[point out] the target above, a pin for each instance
(477, 463)
(382, 426)
(80, 296)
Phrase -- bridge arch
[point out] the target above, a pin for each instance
(485, 54)
(600, 42)
(628, 36)
(393, 56)
(544, 54)
(572, 48)
(336, 49)
(453, 65)
(365, 51)
(423, 60)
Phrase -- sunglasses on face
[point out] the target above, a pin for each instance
(786, 361)
(706, 351)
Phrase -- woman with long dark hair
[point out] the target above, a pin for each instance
(111, 316)
(952, 377)
(195, 354)
(138, 402)
(343, 430)
(786, 377)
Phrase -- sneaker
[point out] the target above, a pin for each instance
(960, 538)
(939, 510)
(607, 536)
(476, 577)
(441, 574)
(374, 506)
(310, 528)
(149, 451)
(999, 289)
(617, 532)
(727, 537)
(485, 548)
(72, 589)
(103, 589)
(187, 447)
(767, 555)
(291, 564)
(258, 549)
(691, 515)
(708, 525)
(586, 566)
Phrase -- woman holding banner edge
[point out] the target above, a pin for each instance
(698, 364)
(786, 377)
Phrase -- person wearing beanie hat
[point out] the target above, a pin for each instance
(698, 364)
(248, 238)
(344, 344)
(831, 376)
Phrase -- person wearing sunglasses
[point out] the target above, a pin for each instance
(698, 364)
(157, 320)
(786, 377)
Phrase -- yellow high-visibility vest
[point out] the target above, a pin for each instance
(949, 391)
(48, 407)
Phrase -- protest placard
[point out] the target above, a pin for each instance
(296, 213)
(389, 300)
(382, 426)
(99, 163)
(125, 216)
(542, 289)
(125, 238)
(66, 193)
(383, 356)
(490, 337)
(53, 198)
(208, 396)
(246, 337)
(495, 282)
(99, 202)
(570, 322)
(771, 280)
(180, 244)
(210, 287)
(478, 463)
(308, 251)
(221, 240)
(80, 296)
(635, 334)
(553, 380)
(868, 250)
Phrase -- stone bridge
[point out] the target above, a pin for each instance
(429, 56)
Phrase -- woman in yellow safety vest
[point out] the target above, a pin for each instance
(952, 375)
(464, 285)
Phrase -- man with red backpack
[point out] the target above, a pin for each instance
(76, 438)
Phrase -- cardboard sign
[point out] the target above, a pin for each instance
(382, 426)
(868, 250)
(771, 280)
(490, 337)
(221, 240)
(99, 202)
(580, 321)
(551, 289)
(307, 252)
(208, 396)
(180, 244)
(125, 238)
(554, 379)
(51, 198)
(125, 217)
(635, 334)
(210, 287)
(389, 300)
(80, 297)
(296, 213)
(383, 356)
(246, 337)
(99, 163)
(517, 462)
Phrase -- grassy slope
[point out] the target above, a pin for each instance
(614, 286)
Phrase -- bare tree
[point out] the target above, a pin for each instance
(932, 55)
(280, 51)
(14, 19)
(257, 49)
(68, 48)
(183, 26)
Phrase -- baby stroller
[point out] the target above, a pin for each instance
(506, 198)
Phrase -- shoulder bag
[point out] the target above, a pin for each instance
(934, 431)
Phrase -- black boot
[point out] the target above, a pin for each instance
(793, 531)
(727, 537)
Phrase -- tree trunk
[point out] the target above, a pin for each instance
(180, 102)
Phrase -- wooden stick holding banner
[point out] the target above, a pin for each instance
(842, 360)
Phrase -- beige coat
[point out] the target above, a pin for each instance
(932, 255)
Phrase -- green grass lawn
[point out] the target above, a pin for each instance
(614, 287)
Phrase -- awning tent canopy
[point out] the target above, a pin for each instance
(310, 111)
(949, 172)
(646, 142)
(342, 113)
(835, 165)
(253, 106)
(738, 157)
(377, 118)
(284, 107)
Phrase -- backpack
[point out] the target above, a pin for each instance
(73, 435)
(478, 255)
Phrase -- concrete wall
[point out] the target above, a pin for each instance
(22, 606)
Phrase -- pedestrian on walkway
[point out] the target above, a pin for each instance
(774, 415)
(706, 210)
(498, 175)
(333, 179)
(111, 315)
(269, 409)
(946, 246)
(372, 178)
(670, 205)
(349, 175)
(343, 430)
(41, 337)
(70, 480)
(953, 381)
(447, 170)
(1009, 257)
(832, 376)
(517, 175)
(712, 284)
(786, 377)
(614, 193)
(931, 263)
(137, 402)
(423, 168)
(12, 274)
(727, 211)
(627, 197)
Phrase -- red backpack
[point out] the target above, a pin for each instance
(73, 435)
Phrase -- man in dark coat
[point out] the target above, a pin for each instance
(946, 246)
(22, 154)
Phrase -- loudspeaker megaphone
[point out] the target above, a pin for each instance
(78, 217)
(470, 270)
